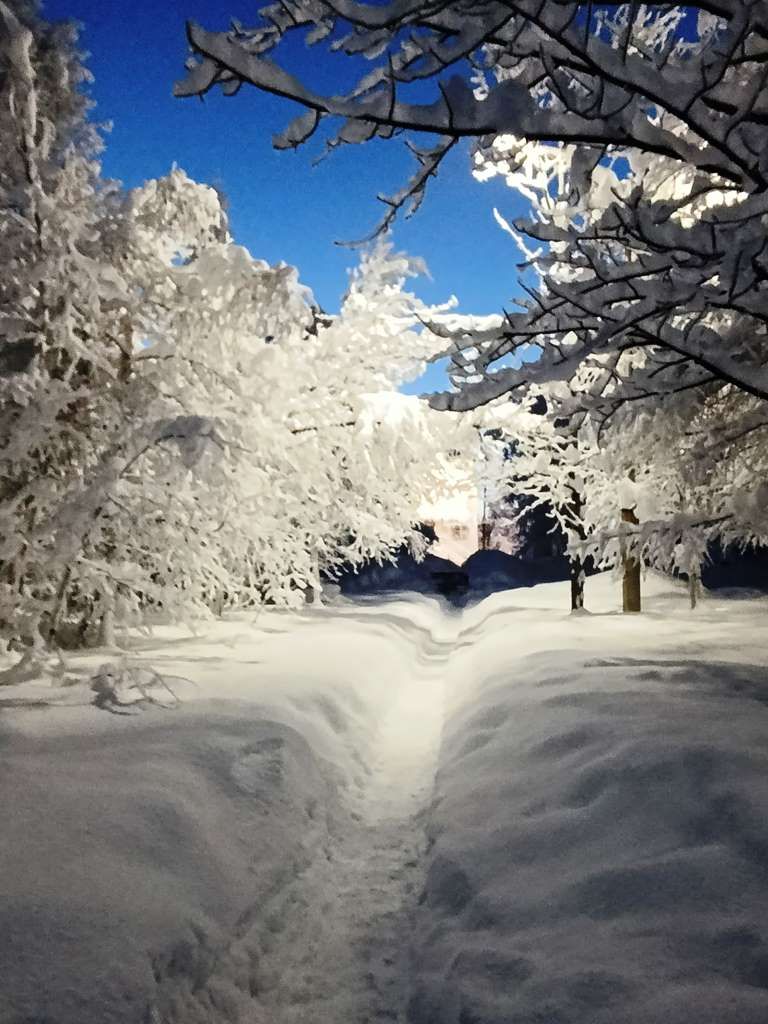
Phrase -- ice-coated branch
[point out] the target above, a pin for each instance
(668, 257)
(603, 91)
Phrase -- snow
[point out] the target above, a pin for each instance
(598, 826)
(491, 571)
(215, 860)
(386, 810)
(404, 574)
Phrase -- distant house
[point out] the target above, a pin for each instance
(455, 518)
(466, 512)
(465, 521)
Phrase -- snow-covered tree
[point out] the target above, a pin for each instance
(249, 446)
(637, 133)
(319, 462)
(656, 485)
(541, 460)
(181, 430)
(498, 513)
(678, 80)
(64, 353)
(650, 412)
(692, 472)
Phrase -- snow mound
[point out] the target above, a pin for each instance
(599, 847)
(492, 571)
(405, 575)
(141, 898)
(244, 857)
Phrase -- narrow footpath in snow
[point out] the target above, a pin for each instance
(330, 943)
(337, 948)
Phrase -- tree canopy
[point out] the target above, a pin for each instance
(638, 134)
(181, 429)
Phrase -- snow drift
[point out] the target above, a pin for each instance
(385, 811)
(134, 856)
(599, 829)
(600, 844)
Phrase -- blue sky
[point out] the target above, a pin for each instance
(281, 206)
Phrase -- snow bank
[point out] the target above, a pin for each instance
(599, 831)
(296, 841)
(147, 857)
(491, 571)
(405, 575)
(133, 855)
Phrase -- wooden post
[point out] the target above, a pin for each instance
(631, 583)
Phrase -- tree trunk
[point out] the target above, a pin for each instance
(693, 588)
(107, 629)
(577, 584)
(485, 530)
(631, 583)
(60, 606)
(575, 509)
(313, 594)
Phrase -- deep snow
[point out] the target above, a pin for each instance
(387, 810)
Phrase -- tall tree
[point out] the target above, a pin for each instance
(637, 131)
(180, 430)
(64, 353)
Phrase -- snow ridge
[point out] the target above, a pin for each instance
(330, 942)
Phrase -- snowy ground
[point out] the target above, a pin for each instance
(388, 811)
